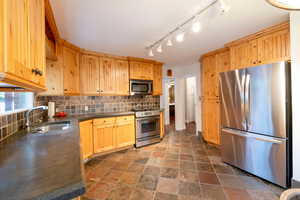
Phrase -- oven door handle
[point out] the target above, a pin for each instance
(148, 119)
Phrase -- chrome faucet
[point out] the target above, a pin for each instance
(28, 125)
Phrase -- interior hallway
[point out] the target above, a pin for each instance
(181, 167)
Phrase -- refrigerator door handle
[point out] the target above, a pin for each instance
(267, 140)
(235, 132)
(247, 100)
(244, 123)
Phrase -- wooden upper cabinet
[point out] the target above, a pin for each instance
(37, 40)
(210, 81)
(107, 76)
(89, 75)
(23, 29)
(157, 80)
(274, 47)
(223, 61)
(71, 71)
(266, 49)
(122, 77)
(86, 138)
(141, 70)
(18, 60)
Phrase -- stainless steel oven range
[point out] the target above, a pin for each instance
(147, 127)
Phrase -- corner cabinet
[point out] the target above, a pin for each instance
(22, 59)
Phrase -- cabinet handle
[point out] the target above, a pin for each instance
(34, 71)
(66, 89)
(259, 61)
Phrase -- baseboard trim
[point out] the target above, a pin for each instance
(295, 184)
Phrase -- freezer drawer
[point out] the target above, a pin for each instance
(260, 155)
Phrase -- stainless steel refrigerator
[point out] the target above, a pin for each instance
(256, 121)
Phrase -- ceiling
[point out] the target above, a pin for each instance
(126, 27)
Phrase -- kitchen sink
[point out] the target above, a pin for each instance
(55, 127)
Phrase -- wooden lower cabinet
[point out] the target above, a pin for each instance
(124, 132)
(86, 138)
(106, 135)
(104, 138)
(211, 120)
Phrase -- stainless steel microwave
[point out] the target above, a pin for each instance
(141, 87)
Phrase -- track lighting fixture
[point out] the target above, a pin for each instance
(194, 23)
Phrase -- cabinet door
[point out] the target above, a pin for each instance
(104, 137)
(54, 78)
(71, 71)
(37, 40)
(274, 47)
(125, 133)
(241, 56)
(86, 138)
(107, 76)
(18, 39)
(223, 62)
(211, 121)
(157, 79)
(210, 77)
(141, 71)
(135, 70)
(122, 77)
(147, 71)
(89, 75)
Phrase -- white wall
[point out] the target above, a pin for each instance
(190, 99)
(295, 51)
(180, 73)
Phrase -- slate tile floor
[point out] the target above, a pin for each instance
(181, 167)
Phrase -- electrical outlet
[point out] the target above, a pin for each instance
(86, 108)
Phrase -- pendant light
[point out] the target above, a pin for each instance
(285, 4)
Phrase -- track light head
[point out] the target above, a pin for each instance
(180, 37)
(150, 53)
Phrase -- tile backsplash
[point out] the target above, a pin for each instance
(12, 123)
(74, 105)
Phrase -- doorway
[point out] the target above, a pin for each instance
(171, 100)
(190, 103)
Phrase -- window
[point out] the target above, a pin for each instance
(15, 101)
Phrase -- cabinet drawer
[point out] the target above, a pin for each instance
(125, 119)
(104, 121)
